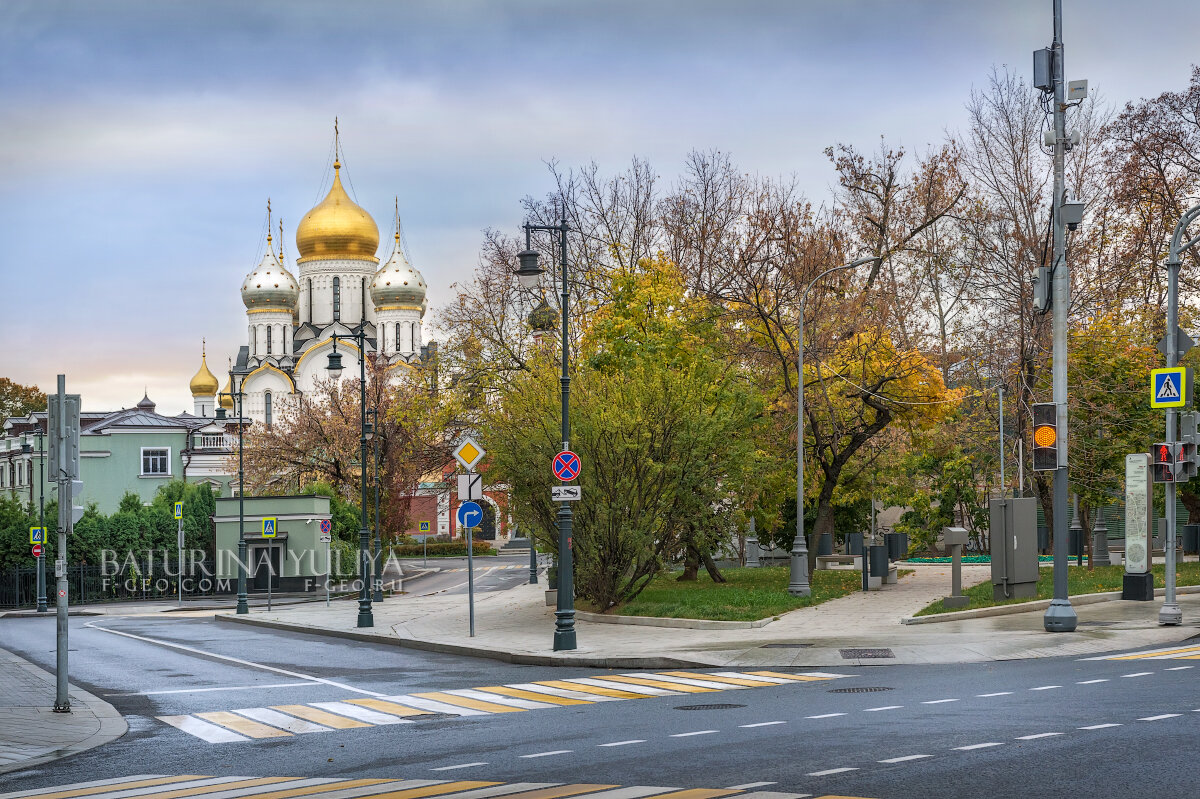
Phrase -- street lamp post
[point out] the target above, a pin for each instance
(41, 566)
(236, 395)
(377, 577)
(798, 583)
(365, 617)
(529, 273)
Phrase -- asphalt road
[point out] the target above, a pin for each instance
(492, 573)
(1043, 728)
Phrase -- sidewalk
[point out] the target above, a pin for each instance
(32, 732)
(516, 626)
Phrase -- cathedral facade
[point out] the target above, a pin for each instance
(337, 286)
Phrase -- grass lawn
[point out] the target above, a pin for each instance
(1079, 581)
(749, 595)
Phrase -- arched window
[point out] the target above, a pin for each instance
(267, 408)
(362, 299)
(337, 299)
(268, 339)
(310, 306)
(397, 337)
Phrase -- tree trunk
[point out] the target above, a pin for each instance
(691, 565)
(710, 566)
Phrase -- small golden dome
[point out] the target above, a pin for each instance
(226, 398)
(204, 384)
(337, 228)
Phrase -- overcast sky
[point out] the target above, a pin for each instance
(140, 140)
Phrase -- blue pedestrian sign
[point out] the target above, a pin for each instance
(37, 535)
(470, 514)
(269, 526)
(423, 527)
(566, 465)
(1171, 388)
(178, 510)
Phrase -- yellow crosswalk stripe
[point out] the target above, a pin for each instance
(321, 716)
(716, 678)
(327, 787)
(517, 693)
(697, 793)
(431, 790)
(118, 786)
(558, 791)
(248, 782)
(474, 704)
(670, 686)
(242, 724)
(780, 675)
(385, 706)
(590, 689)
(1159, 654)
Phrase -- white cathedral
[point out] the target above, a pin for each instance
(338, 288)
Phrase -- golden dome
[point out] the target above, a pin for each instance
(226, 398)
(337, 228)
(204, 384)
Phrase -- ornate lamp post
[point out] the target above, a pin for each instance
(365, 617)
(236, 395)
(529, 274)
(377, 577)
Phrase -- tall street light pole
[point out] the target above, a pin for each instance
(377, 577)
(529, 274)
(41, 565)
(365, 617)
(798, 583)
(236, 395)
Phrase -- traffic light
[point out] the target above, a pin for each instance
(1045, 437)
(1168, 465)
(1188, 434)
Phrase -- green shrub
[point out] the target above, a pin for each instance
(441, 550)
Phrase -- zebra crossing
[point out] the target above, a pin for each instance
(1164, 653)
(158, 786)
(282, 721)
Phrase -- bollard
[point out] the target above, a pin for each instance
(955, 538)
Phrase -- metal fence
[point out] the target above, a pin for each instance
(90, 584)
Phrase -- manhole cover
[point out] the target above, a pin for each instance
(850, 654)
(862, 689)
(708, 707)
(784, 646)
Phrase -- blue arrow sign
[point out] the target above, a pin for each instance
(470, 514)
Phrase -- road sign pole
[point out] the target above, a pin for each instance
(471, 579)
(328, 568)
(179, 563)
(41, 562)
(61, 432)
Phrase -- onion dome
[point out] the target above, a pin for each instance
(337, 228)
(226, 398)
(204, 384)
(270, 286)
(543, 318)
(146, 404)
(397, 283)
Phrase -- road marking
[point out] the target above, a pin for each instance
(885, 707)
(750, 785)
(998, 693)
(977, 746)
(322, 717)
(1098, 726)
(1045, 687)
(586, 688)
(363, 714)
(829, 771)
(463, 701)
(737, 674)
(568, 693)
(759, 683)
(671, 679)
(204, 730)
(81, 788)
(93, 625)
(810, 676)
(1160, 717)
(1091, 682)
(938, 701)
(243, 725)
(328, 787)
(903, 759)
(548, 754)
(1179, 668)
(625, 743)
(508, 690)
(690, 734)
(439, 707)
(523, 704)
(636, 686)
(762, 724)
(391, 708)
(255, 687)
(460, 765)
(1151, 654)
(1037, 735)
(824, 715)
(1138, 674)
(277, 719)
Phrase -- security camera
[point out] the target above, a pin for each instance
(1071, 212)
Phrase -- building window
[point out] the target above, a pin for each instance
(156, 461)
(267, 415)
(269, 339)
(310, 307)
(362, 299)
(30, 480)
(397, 337)
(337, 299)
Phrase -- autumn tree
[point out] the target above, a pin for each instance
(19, 400)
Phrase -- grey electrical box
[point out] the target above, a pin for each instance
(1077, 90)
(1041, 289)
(1014, 548)
(1043, 73)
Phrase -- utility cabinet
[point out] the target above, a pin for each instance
(1014, 548)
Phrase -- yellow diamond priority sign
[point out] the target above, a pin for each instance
(469, 453)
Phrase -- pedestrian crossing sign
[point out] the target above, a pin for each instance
(269, 525)
(37, 535)
(1171, 388)
(423, 527)
(178, 510)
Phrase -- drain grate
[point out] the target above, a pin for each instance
(784, 646)
(850, 654)
(862, 689)
(708, 707)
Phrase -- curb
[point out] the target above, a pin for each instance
(687, 624)
(516, 658)
(1028, 607)
(112, 724)
(49, 614)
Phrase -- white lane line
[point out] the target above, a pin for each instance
(998, 693)
(1037, 735)
(690, 734)
(360, 713)
(885, 707)
(1179, 668)
(1160, 717)
(93, 625)
(750, 785)
(460, 765)
(829, 771)
(1098, 726)
(761, 724)
(1091, 682)
(203, 729)
(903, 759)
(1138, 674)
(548, 754)
(824, 715)
(977, 746)
(1045, 687)
(276, 719)
(239, 688)
(938, 701)
(625, 743)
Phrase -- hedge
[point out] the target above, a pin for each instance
(441, 550)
